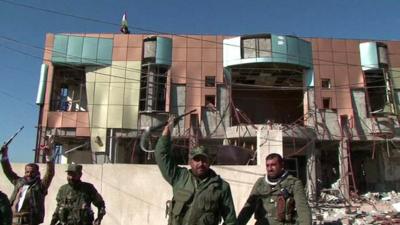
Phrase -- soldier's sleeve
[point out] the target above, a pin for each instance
(249, 207)
(228, 209)
(302, 208)
(54, 218)
(168, 167)
(7, 169)
(5, 210)
(98, 201)
(48, 177)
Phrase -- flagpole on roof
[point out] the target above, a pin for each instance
(124, 24)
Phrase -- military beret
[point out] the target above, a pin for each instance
(74, 168)
(200, 150)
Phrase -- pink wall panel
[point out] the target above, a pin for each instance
(193, 71)
(339, 45)
(340, 58)
(194, 54)
(92, 35)
(134, 54)
(135, 40)
(324, 44)
(83, 132)
(179, 41)
(82, 119)
(194, 41)
(119, 54)
(69, 119)
(394, 60)
(220, 73)
(209, 69)
(54, 119)
(326, 71)
(209, 55)
(353, 59)
(353, 45)
(49, 40)
(341, 76)
(343, 99)
(325, 58)
(220, 55)
(178, 72)
(106, 35)
(179, 54)
(120, 40)
(356, 78)
(393, 47)
(209, 41)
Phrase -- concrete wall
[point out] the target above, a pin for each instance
(136, 194)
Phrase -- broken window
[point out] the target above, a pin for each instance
(210, 100)
(253, 47)
(377, 93)
(326, 103)
(326, 83)
(69, 90)
(210, 81)
(153, 88)
(149, 50)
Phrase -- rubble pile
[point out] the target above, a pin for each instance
(370, 208)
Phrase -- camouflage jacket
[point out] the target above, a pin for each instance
(5, 210)
(263, 201)
(35, 195)
(74, 204)
(194, 202)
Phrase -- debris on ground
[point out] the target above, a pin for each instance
(370, 208)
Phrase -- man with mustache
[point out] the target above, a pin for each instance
(276, 199)
(27, 199)
(200, 196)
(74, 201)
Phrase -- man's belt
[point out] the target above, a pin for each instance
(21, 218)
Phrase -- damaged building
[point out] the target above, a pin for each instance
(329, 106)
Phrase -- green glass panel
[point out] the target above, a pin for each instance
(164, 51)
(279, 49)
(74, 50)
(305, 54)
(292, 50)
(60, 49)
(104, 51)
(89, 52)
(369, 56)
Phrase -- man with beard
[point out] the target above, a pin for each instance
(5, 210)
(74, 201)
(200, 196)
(27, 199)
(276, 199)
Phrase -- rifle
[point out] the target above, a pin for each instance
(148, 130)
(10, 140)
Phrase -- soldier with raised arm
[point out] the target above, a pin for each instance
(200, 196)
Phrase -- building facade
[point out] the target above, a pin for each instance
(330, 106)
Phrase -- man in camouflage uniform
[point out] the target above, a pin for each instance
(200, 196)
(74, 201)
(276, 199)
(27, 199)
(5, 210)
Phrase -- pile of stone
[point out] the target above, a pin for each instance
(370, 208)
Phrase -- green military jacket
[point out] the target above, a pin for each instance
(74, 204)
(263, 203)
(5, 210)
(194, 202)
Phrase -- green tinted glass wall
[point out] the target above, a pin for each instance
(77, 50)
